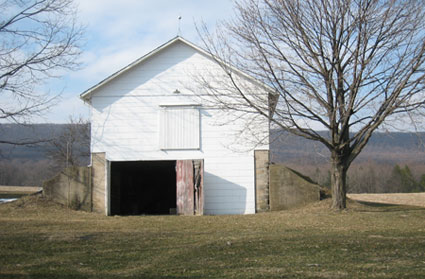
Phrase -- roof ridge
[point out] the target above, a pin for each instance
(86, 94)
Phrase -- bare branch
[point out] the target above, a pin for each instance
(344, 66)
(39, 40)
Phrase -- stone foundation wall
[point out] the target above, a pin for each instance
(262, 180)
(99, 182)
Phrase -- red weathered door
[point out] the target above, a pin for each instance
(185, 187)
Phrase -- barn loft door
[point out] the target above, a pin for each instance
(189, 177)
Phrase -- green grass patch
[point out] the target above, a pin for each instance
(39, 239)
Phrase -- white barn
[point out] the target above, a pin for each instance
(158, 148)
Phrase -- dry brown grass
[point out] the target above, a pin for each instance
(40, 239)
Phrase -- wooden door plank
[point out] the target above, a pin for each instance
(185, 187)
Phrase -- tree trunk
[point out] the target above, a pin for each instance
(338, 182)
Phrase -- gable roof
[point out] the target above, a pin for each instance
(87, 94)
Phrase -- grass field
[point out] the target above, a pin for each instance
(39, 239)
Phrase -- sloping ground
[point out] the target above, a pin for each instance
(414, 199)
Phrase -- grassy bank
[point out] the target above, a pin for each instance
(39, 239)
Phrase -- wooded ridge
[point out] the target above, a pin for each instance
(391, 162)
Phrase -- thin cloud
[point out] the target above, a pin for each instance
(119, 32)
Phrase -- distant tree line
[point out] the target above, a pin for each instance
(402, 180)
(373, 177)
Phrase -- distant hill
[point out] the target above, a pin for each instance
(32, 164)
(390, 148)
(40, 133)
(372, 171)
(26, 133)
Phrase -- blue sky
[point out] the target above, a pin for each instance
(119, 32)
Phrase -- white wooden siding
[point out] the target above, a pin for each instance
(125, 124)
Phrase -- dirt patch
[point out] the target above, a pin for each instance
(412, 199)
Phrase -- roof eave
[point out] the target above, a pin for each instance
(86, 95)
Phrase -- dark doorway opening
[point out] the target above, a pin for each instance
(143, 187)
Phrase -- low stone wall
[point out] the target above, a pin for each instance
(71, 187)
(290, 189)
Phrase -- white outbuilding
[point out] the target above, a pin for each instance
(161, 145)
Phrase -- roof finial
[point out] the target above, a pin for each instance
(179, 31)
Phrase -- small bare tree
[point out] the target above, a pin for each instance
(71, 147)
(39, 39)
(345, 66)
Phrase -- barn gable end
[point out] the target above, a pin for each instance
(150, 112)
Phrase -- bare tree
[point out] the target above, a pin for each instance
(39, 39)
(71, 147)
(345, 66)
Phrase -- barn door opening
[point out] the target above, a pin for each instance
(190, 196)
(156, 187)
(143, 187)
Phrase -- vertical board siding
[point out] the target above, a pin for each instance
(126, 125)
(179, 128)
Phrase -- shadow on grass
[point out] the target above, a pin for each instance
(386, 207)
(85, 276)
